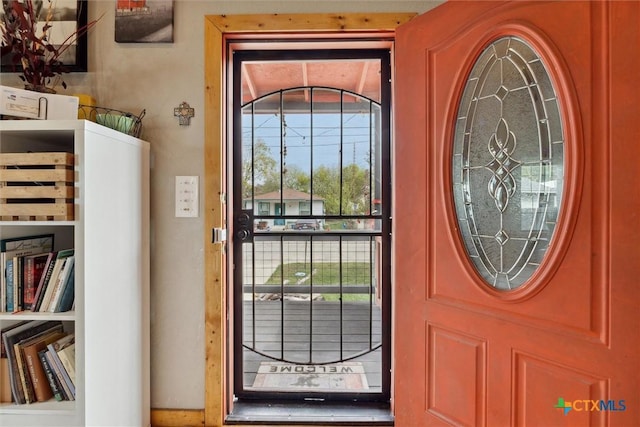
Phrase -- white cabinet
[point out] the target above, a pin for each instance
(110, 234)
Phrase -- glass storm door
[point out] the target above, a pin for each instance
(312, 231)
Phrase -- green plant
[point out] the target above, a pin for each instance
(26, 41)
(324, 273)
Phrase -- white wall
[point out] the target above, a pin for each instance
(158, 77)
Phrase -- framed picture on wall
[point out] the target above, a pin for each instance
(67, 16)
(144, 21)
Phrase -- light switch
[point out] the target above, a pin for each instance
(186, 196)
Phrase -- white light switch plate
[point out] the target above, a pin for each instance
(186, 196)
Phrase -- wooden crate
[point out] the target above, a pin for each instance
(36, 186)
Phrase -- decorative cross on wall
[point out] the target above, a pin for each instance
(184, 113)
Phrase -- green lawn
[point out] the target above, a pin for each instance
(325, 273)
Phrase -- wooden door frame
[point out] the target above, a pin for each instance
(216, 27)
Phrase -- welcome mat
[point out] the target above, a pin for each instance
(281, 376)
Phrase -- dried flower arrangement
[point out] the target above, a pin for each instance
(27, 43)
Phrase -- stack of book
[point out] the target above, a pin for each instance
(40, 360)
(35, 277)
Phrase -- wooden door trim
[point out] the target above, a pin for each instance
(177, 417)
(216, 28)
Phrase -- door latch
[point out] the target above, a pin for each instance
(243, 230)
(219, 235)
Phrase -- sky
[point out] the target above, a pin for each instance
(324, 136)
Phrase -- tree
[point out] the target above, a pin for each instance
(353, 192)
(326, 184)
(346, 194)
(297, 179)
(260, 171)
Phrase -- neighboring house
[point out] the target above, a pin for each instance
(288, 203)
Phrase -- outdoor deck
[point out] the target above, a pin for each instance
(312, 335)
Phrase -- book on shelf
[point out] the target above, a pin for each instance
(17, 247)
(6, 329)
(57, 366)
(61, 257)
(44, 280)
(24, 371)
(52, 378)
(8, 284)
(67, 296)
(67, 356)
(15, 335)
(27, 391)
(17, 283)
(61, 282)
(57, 373)
(33, 269)
(5, 385)
(42, 389)
(21, 372)
(23, 275)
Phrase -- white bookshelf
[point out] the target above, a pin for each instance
(110, 234)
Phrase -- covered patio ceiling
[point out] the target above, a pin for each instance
(263, 77)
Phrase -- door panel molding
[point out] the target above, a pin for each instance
(461, 359)
(535, 378)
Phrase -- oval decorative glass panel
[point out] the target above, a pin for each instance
(508, 163)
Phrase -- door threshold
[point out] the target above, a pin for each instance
(249, 412)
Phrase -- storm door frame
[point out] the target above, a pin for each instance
(236, 208)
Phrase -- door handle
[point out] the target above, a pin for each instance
(244, 226)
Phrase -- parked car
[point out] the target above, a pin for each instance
(306, 224)
(263, 226)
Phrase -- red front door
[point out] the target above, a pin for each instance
(562, 347)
